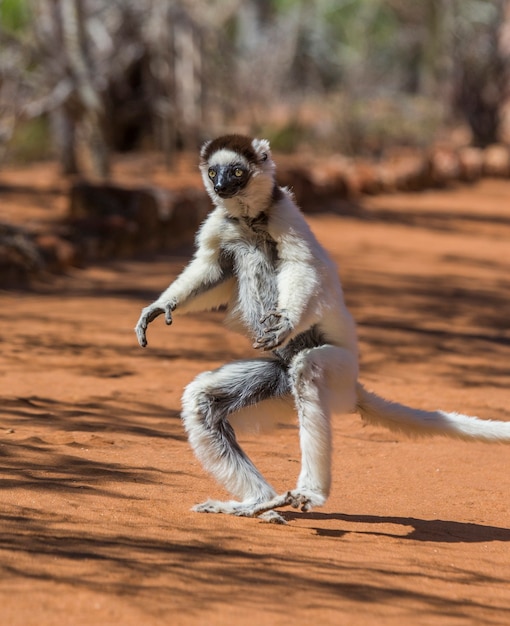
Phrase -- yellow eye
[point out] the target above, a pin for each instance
(238, 172)
(211, 173)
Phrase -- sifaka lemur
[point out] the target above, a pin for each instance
(256, 256)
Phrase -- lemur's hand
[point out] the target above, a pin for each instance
(149, 314)
(277, 327)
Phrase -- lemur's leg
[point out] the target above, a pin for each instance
(322, 379)
(207, 403)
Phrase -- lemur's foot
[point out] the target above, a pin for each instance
(264, 510)
(217, 506)
(304, 499)
(272, 517)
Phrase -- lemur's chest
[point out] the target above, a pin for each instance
(253, 259)
(250, 250)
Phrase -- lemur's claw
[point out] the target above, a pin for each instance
(274, 313)
(149, 314)
(274, 333)
(304, 499)
(142, 339)
(266, 342)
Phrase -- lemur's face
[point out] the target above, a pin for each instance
(238, 173)
(228, 172)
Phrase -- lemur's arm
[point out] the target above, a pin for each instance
(298, 279)
(203, 284)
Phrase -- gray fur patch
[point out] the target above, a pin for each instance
(238, 385)
(311, 338)
(244, 383)
(253, 256)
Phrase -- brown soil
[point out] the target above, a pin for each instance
(98, 479)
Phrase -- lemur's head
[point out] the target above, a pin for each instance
(238, 174)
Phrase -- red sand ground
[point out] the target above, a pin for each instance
(98, 479)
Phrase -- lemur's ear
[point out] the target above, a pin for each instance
(262, 149)
(204, 147)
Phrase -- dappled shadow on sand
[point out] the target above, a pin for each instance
(439, 219)
(162, 570)
(46, 444)
(437, 319)
(32, 465)
(98, 415)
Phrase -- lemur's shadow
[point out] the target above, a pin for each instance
(441, 531)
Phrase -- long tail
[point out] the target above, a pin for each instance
(375, 410)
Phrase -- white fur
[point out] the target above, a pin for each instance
(227, 157)
(308, 281)
(398, 417)
(321, 379)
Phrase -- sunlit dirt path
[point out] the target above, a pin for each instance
(97, 478)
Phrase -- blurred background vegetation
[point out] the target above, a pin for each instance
(82, 79)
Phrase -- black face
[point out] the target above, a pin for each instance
(228, 180)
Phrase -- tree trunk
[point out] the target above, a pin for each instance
(88, 102)
(504, 53)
